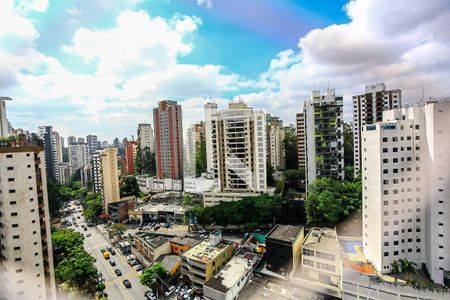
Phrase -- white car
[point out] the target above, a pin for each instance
(169, 291)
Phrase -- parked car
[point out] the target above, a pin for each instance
(187, 294)
(85, 229)
(113, 252)
(133, 262)
(183, 290)
(118, 272)
(102, 250)
(138, 267)
(109, 248)
(178, 288)
(112, 262)
(127, 283)
(88, 234)
(150, 295)
(169, 291)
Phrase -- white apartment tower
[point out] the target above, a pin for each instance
(238, 143)
(406, 188)
(301, 145)
(145, 137)
(4, 127)
(210, 110)
(324, 136)
(26, 260)
(368, 109)
(92, 143)
(275, 143)
(78, 156)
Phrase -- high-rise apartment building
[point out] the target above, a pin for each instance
(368, 109)
(324, 137)
(301, 143)
(238, 143)
(167, 120)
(64, 173)
(275, 142)
(92, 144)
(406, 188)
(26, 261)
(4, 127)
(105, 175)
(80, 140)
(78, 156)
(210, 110)
(71, 140)
(145, 137)
(130, 156)
(57, 147)
(195, 133)
(46, 134)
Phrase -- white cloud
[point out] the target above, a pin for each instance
(27, 6)
(404, 44)
(206, 3)
(73, 11)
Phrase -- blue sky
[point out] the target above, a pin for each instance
(98, 67)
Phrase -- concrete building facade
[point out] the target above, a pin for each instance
(78, 156)
(210, 110)
(406, 188)
(46, 134)
(130, 156)
(145, 137)
(92, 143)
(26, 260)
(324, 136)
(275, 143)
(167, 119)
(4, 127)
(301, 145)
(368, 109)
(238, 143)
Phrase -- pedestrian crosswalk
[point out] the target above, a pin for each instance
(95, 247)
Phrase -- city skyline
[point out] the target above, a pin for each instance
(71, 80)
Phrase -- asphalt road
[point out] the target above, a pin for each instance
(114, 286)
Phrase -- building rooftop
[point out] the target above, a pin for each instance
(287, 233)
(185, 241)
(231, 273)
(154, 242)
(324, 239)
(169, 262)
(204, 252)
(162, 207)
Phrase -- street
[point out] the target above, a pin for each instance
(114, 286)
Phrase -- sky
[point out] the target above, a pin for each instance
(99, 67)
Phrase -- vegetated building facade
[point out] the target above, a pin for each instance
(238, 142)
(203, 261)
(406, 188)
(275, 142)
(105, 175)
(368, 109)
(145, 137)
(283, 248)
(321, 260)
(195, 133)
(167, 119)
(26, 261)
(324, 136)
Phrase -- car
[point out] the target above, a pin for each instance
(85, 229)
(203, 236)
(169, 291)
(102, 250)
(177, 290)
(113, 252)
(138, 267)
(118, 272)
(112, 262)
(183, 290)
(88, 234)
(157, 227)
(108, 248)
(150, 295)
(127, 283)
(187, 294)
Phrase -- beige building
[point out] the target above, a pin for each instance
(203, 261)
(26, 261)
(301, 144)
(152, 247)
(321, 260)
(275, 143)
(64, 172)
(105, 174)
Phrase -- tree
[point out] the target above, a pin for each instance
(54, 199)
(348, 145)
(290, 147)
(186, 201)
(349, 173)
(395, 269)
(101, 287)
(93, 205)
(330, 201)
(269, 174)
(78, 271)
(145, 161)
(64, 241)
(118, 229)
(152, 274)
(294, 179)
(200, 157)
(129, 186)
(408, 267)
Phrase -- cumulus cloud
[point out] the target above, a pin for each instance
(404, 44)
(206, 3)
